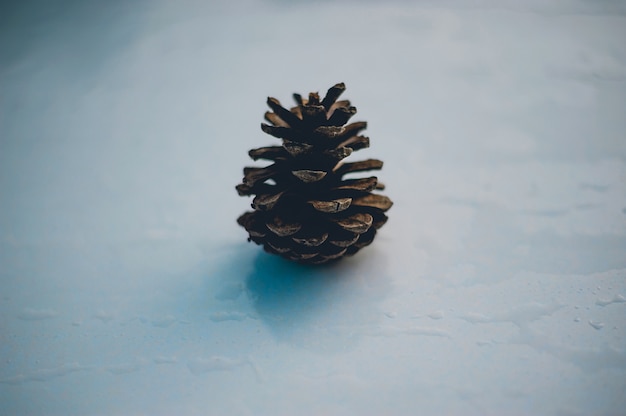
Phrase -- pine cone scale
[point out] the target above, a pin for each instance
(266, 202)
(341, 115)
(308, 176)
(285, 115)
(272, 153)
(296, 149)
(361, 185)
(336, 205)
(313, 115)
(356, 143)
(281, 228)
(255, 175)
(365, 165)
(311, 241)
(339, 153)
(380, 202)
(333, 93)
(357, 223)
(345, 243)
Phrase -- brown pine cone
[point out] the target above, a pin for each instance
(304, 209)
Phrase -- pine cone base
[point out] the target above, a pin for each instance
(304, 208)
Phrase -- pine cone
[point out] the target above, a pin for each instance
(304, 209)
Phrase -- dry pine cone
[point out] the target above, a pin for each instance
(304, 209)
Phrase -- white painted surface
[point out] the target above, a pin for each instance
(497, 286)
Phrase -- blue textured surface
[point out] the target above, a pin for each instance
(497, 286)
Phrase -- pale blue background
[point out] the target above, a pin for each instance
(497, 287)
